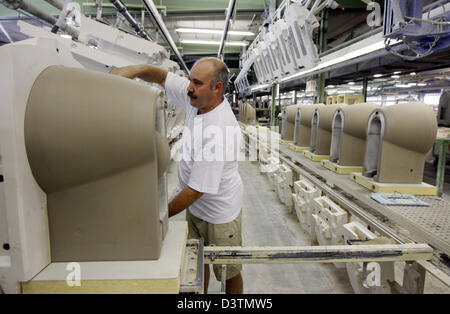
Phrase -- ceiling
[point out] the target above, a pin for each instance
(343, 25)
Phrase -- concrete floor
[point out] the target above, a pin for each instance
(267, 222)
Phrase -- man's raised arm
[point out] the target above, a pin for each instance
(145, 72)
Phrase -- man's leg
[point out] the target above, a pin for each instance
(228, 234)
(206, 279)
(235, 285)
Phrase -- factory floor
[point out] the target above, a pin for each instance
(267, 222)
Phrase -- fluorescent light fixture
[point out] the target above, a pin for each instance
(412, 73)
(262, 86)
(213, 42)
(351, 55)
(212, 31)
(395, 76)
(402, 85)
(330, 86)
(412, 84)
(66, 36)
(356, 87)
(351, 83)
(397, 72)
(421, 84)
(378, 75)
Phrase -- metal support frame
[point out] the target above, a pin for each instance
(364, 91)
(31, 9)
(122, 9)
(232, 5)
(275, 91)
(56, 3)
(442, 159)
(317, 254)
(323, 41)
(151, 8)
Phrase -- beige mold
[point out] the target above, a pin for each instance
(92, 147)
(348, 140)
(321, 127)
(302, 129)
(398, 139)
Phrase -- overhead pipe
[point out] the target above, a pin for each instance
(31, 9)
(230, 10)
(99, 9)
(61, 18)
(150, 6)
(136, 26)
(56, 3)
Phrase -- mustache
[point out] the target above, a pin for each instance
(190, 94)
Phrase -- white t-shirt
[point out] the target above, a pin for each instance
(208, 160)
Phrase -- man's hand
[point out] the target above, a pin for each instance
(183, 200)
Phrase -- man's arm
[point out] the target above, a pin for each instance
(145, 72)
(183, 200)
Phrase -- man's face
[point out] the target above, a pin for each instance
(199, 90)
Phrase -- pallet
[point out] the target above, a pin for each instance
(315, 157)
(286, 143)
(340, 169)
(296, 148)
(153, 276)
(414, 189)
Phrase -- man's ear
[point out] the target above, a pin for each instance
(218, 86)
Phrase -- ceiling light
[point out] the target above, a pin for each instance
(421, 84)
(395, 76)
(330, 86)
(378, 75)
(213, 31)
(353, 54)
(402, 85)
(412, 73)
(397, 72)
(262, 86)
(213, 42)
(66, 36)
(351, 83)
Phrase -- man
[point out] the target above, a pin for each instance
(212, 187)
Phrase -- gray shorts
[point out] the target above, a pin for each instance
(227, 234)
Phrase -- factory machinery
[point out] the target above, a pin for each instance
(341, 167)
(351, 171)
(84, 157)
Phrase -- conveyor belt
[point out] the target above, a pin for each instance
(425, 224)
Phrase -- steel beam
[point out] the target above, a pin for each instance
(317, 254)
(230, 11)
(159, 23)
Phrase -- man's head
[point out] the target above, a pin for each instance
(209, 80)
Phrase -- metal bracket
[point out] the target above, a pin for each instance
(414, 278)
(192, 279)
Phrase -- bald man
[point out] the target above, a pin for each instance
(208, 168)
